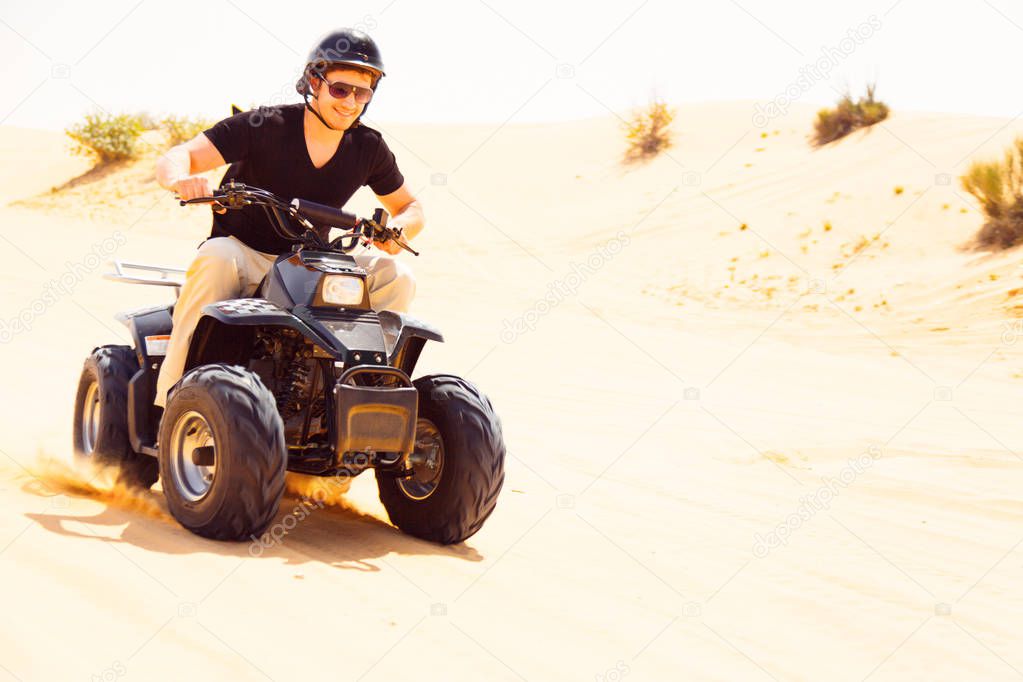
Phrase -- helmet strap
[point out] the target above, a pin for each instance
(316, 113)
(305, 96)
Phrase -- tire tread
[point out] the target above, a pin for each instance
(473, 474)
(257, 447)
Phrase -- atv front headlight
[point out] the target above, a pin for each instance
(343, 290)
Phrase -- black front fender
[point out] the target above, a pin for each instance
(226, 330)
(404, 337)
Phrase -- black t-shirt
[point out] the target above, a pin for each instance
(268, 150)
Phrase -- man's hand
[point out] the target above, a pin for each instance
(193, 187)
(389, 246)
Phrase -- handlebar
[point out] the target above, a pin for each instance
(309, 215)
(327, 216)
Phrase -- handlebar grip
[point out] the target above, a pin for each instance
(325, 216)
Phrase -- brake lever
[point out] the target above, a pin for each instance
(403, 244)
(377, 232)
(197, 200)
(202, 200)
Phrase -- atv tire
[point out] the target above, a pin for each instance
(100, 432)
(449, 502)
(233, 490)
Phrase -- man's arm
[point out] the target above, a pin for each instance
(177, 169)
(406, 213)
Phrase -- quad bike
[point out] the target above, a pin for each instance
(302, 377)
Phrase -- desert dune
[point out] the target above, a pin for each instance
(760, 411)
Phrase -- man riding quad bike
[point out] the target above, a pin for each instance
(286, 350)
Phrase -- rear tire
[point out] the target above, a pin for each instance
(449, 502)
(100, 432)
(229, 409)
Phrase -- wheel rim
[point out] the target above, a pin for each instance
(429, 465)
(193, 481)
(90, 418)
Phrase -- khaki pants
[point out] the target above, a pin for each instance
(226, 268)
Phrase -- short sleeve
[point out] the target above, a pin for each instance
(232, 136)
(384, 176)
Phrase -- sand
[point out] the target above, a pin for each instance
(790, 450)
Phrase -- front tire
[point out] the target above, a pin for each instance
(448, 499)
(234, 489)
(100, 432)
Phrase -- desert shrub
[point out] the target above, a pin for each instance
(849, 115)
(183, 128)
(107, 137)
(647, 131)
(998, 186)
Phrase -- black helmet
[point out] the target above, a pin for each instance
(343, 47)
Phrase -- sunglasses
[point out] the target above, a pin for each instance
(339, 90)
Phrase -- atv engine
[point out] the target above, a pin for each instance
(284, 360)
